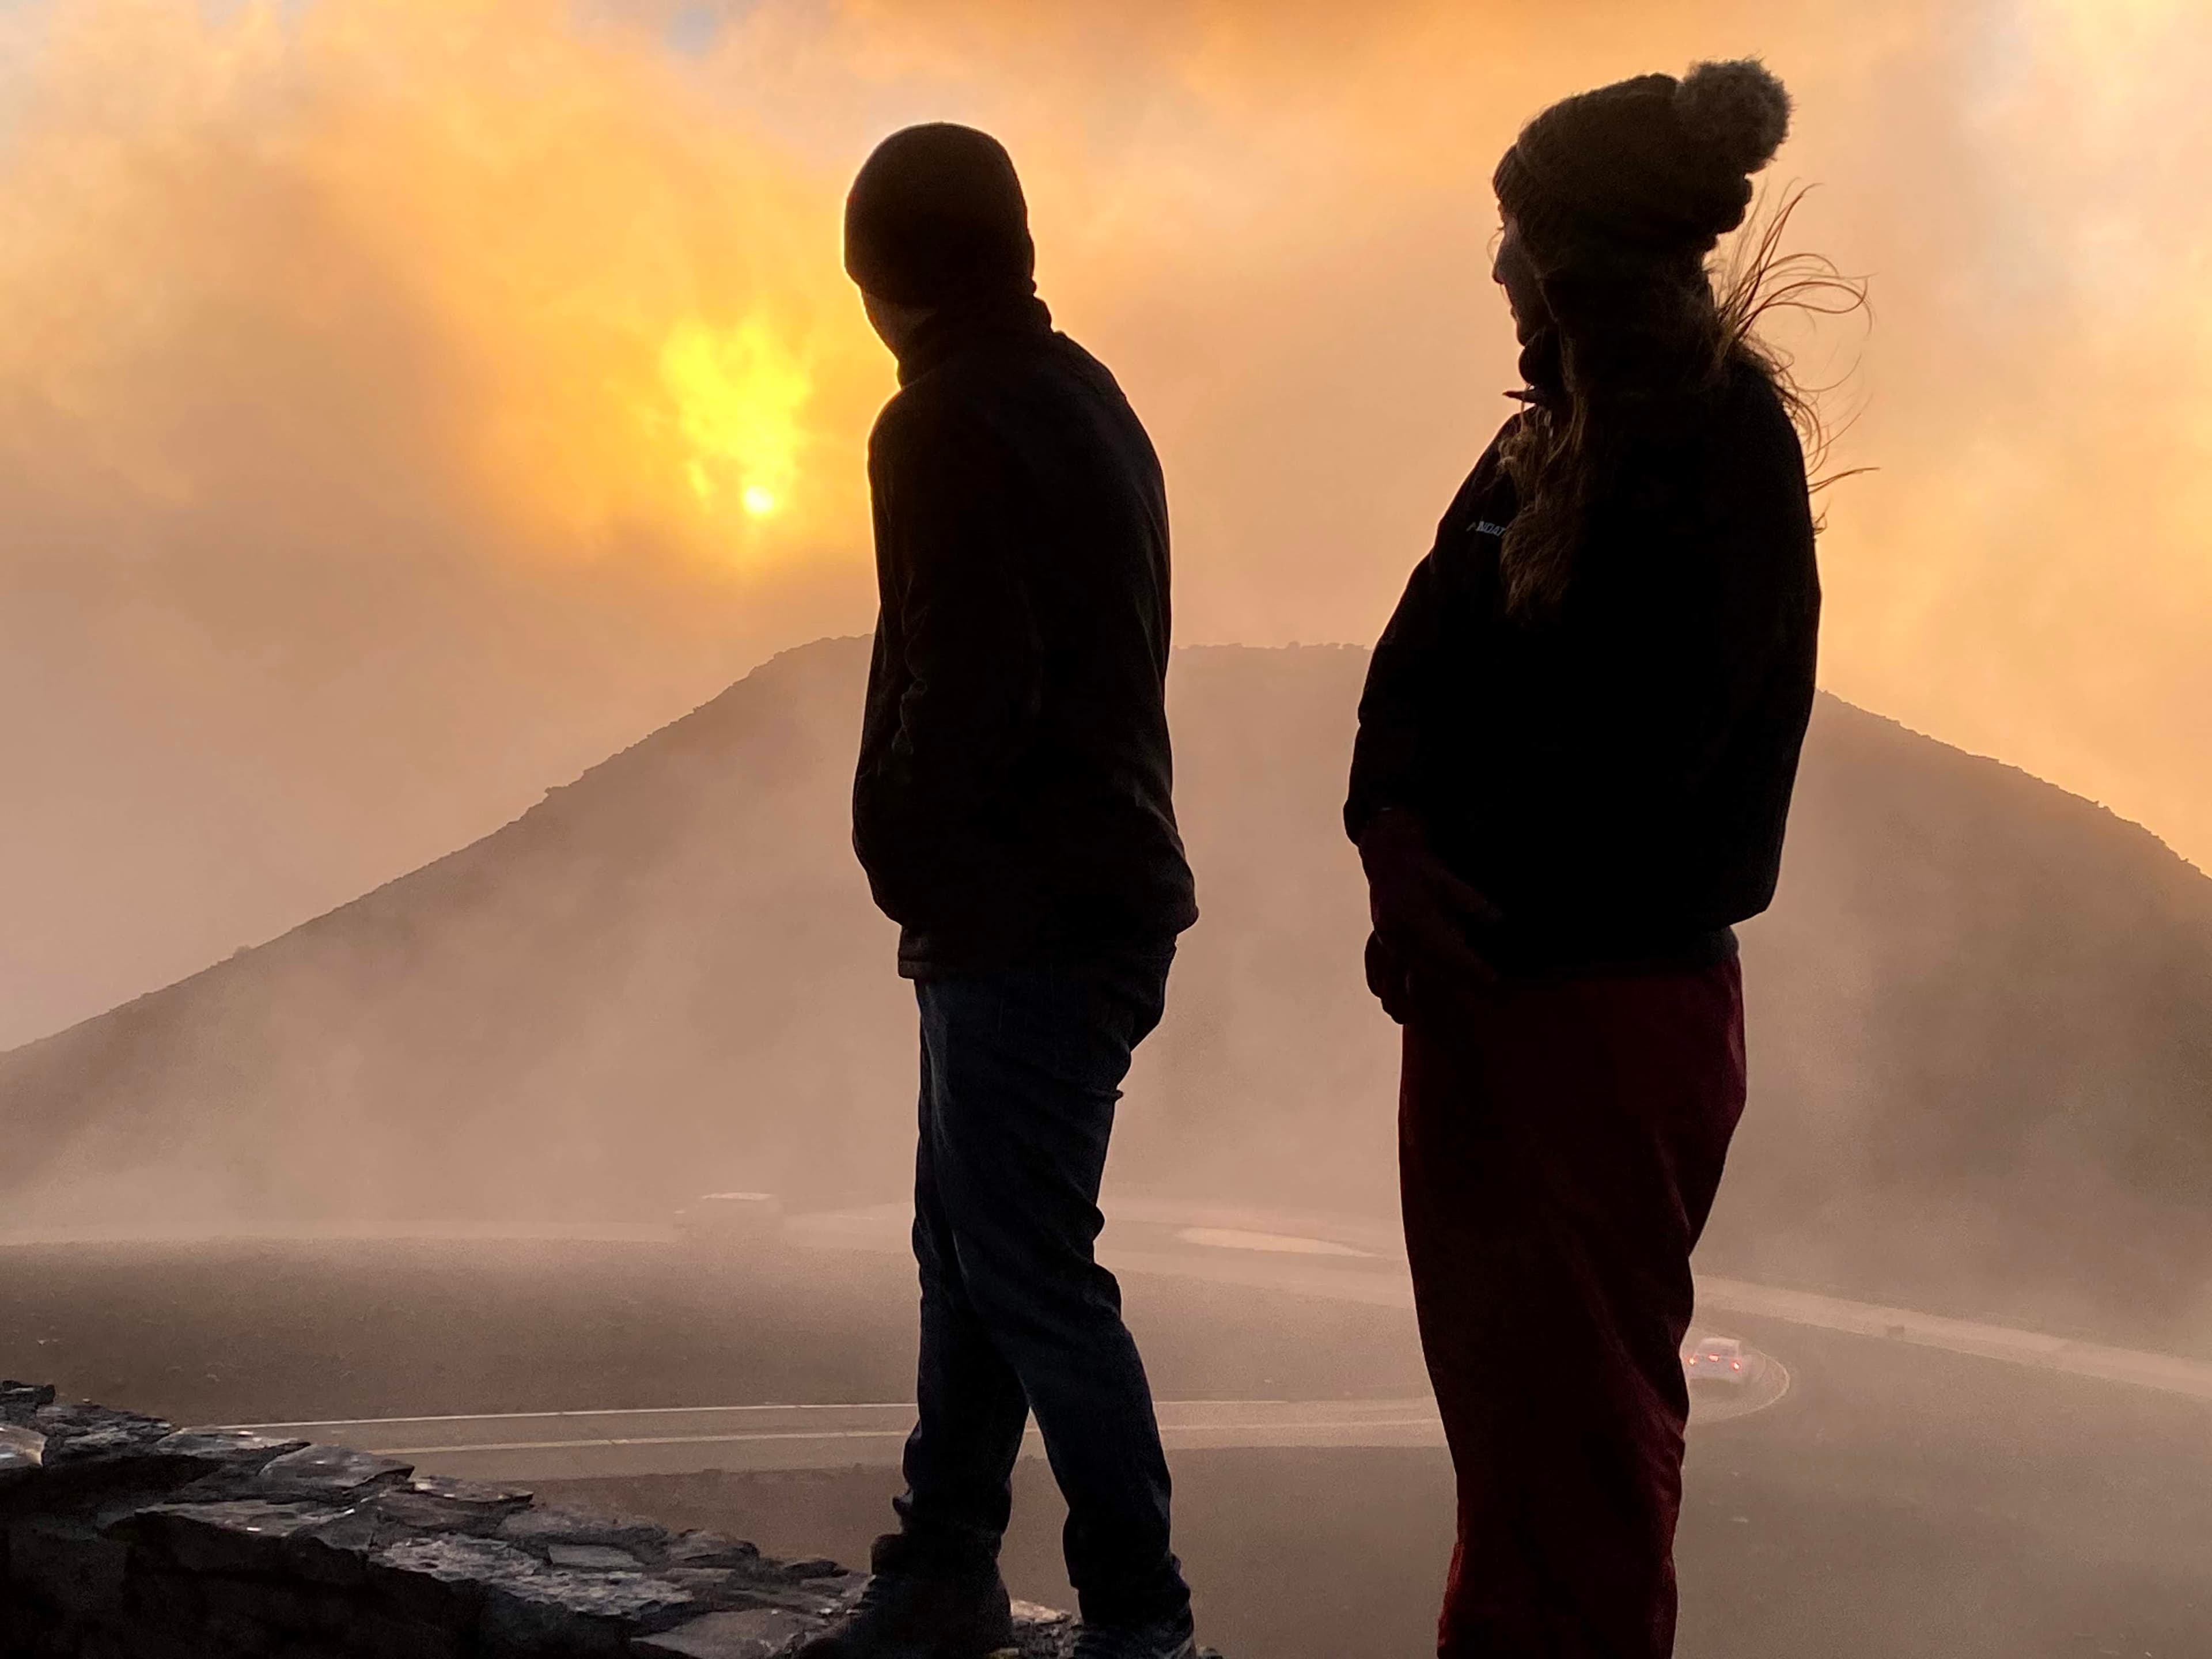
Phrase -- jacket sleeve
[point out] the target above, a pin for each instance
(1393, 758)
(953, 566)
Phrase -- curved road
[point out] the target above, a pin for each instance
(1332, 1261)
(1321, 1257)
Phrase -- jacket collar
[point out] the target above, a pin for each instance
(952, 330)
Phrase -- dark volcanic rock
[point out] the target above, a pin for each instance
(474, 1494)
(558, 1611)
(150, 1543)
(538, 1529)
(67, 1562)
(754, 1633)
(593, 1558)
(445, 1578)
(86, 1459)
(78, 1434)
(240, 1535)
(708, 1549)
(20, 1401)
(431, 1503)
(237, 1452)
(714, 1587)
(336, 1550)
(331, 1475)
(20, 1448)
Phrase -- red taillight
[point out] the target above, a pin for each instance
(1735, 1364)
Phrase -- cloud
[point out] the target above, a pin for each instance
(406, 401)
(365, 366)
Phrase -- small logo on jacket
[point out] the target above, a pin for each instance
(1484, 528)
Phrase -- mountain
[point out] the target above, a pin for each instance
(1981, 1016)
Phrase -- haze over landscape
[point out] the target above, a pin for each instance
(501, 398)
(434, 591)
(1978, 1020)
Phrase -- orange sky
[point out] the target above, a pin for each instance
(407, 402)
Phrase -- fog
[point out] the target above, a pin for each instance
(1977, 1017)
(386, 380)
(410, 405)
(433, 564)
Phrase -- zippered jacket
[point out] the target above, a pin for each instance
(1013, 803)
(1615, 778)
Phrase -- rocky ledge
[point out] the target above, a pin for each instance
(125, 1537)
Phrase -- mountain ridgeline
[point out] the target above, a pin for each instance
(1980, 1017)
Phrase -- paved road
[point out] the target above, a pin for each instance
(588, 1444)
(1241, 1249)
(1329, 1257)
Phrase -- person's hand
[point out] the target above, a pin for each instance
(1426, 919)
(1386, 978)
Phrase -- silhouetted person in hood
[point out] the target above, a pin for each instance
(1013, 811)
(1576, 753)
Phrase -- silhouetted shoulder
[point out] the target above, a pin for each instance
(1078, 362)
(1488, 470)
(1469, 533)
(953, 410)
(1750, 417)
(997, 386)
(916, 427)
(1754, 513)
(933, 398)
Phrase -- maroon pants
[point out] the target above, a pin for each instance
(1560, 1145)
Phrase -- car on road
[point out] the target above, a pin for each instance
(751, 1222)
(1716, 1359)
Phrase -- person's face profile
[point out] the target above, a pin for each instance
(1512, 270)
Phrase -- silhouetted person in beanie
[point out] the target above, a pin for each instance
(1576, 753)
(1013, 811)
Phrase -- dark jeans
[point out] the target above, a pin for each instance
(1020, 1072)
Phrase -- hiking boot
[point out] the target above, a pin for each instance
(919, 1608)
(1170, 1639)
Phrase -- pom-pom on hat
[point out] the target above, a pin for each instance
(1654, 162)
(936, 217)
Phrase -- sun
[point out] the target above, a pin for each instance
(737, 393)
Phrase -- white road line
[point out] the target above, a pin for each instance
(1383, 1281)
(1379, 1280)
(298, 1429)
(683, 1440)
(531, 1445)
(1390, 1286)
(744, 1422)
(2166, 1372)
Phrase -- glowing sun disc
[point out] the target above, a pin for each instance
(759, 500)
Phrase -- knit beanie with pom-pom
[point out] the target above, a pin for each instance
(1654, 163)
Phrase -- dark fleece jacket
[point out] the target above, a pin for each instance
(1615, 778)
(1014, 799)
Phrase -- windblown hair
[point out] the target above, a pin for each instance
(1638, 342)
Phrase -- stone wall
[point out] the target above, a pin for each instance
(123, 1537)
